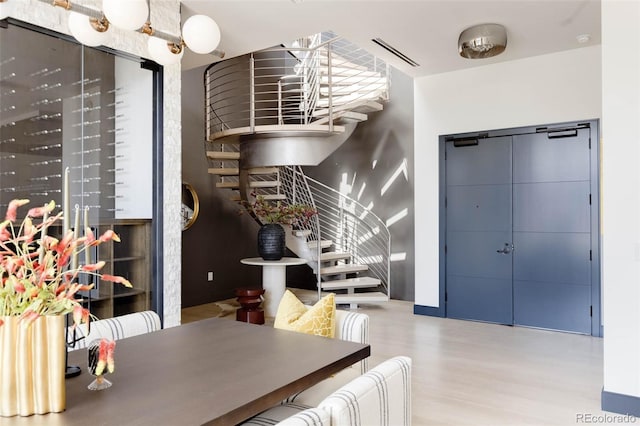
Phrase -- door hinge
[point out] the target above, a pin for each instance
(590, 255)
(589, 199)
(445, 248)
(589, 142)
(591, 310)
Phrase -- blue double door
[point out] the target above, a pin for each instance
(518, 230)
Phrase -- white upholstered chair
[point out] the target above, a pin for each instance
(381, 397)
(291, 414)
(352, 327)
(116, 328)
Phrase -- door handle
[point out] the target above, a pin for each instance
(506, 250)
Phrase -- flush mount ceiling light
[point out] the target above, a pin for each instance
(482, 41)
(200, 33)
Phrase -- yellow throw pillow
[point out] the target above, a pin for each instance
(319, 320)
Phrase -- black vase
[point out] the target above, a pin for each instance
(271, 241)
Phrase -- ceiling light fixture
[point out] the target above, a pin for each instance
(90, 27)
(482, 41)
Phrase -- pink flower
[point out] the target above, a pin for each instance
(111, 346)
(34, 276)
(40, 211)
(80, 315)
(12, 210)
(105, 356)
(116, 279)
(19, 287)
(109, 235)
(94, 266)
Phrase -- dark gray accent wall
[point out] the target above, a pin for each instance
(220, 237)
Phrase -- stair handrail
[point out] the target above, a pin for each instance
(368, 241)
(255, 91)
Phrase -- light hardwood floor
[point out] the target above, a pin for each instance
(471, 373)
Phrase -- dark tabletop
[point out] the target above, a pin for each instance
(215, 371)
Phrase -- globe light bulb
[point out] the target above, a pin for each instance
(126, 14)
(201, 34)
(161, 53)
(81, 28)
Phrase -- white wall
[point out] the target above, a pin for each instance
(621, 195)
(559, 87)
(165, 16)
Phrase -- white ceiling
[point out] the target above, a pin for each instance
(426, 31)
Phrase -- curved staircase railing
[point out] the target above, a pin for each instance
(311, 84)
(344, 224)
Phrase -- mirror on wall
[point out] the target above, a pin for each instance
(190, 206)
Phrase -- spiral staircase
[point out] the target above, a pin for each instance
(270, 112)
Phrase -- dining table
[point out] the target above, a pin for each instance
(214, 371)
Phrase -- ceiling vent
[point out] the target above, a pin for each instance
(482, 41)
(380, 42)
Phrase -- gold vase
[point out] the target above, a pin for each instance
(32, 366)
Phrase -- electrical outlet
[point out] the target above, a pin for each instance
(210, 276)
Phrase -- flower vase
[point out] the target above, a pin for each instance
(32, 365)
(271, 241)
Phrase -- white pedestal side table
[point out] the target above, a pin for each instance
(274, 279)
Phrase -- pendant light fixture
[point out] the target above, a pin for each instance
(90, 27)
(482, 41)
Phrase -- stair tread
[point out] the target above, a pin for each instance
(334, 255)
(354, 79)
(341, 70)
(264, 184)
(232, 185)
(363, 105)
(349, 98)
(344, 116)
(366, 297)
(274, 196)
(223, 155)
(323, 244)
(263, 170)
(226, 171)
(360, 282)
(343, 269)
(273, 129)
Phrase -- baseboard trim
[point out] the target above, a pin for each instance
(430, 311)
(620, 403)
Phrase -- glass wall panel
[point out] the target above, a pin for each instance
(76, 127)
